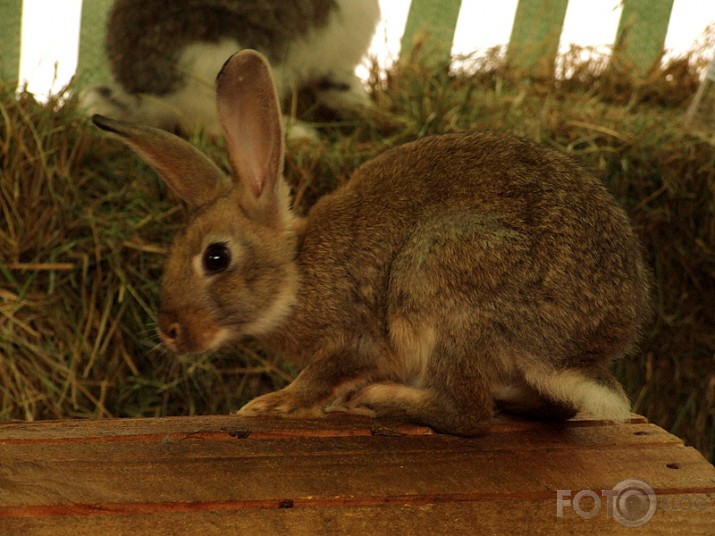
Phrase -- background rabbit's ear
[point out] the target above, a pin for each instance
(250, 115)
(190, 175)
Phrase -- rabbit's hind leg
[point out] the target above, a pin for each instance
(421, 405)
(343, 93)
(444, 319)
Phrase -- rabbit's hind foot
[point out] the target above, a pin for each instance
(420, 405)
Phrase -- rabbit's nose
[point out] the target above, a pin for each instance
(173, 332)
(170, 335)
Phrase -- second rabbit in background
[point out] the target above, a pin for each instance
(165, 54)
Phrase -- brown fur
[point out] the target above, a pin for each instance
(449, 272)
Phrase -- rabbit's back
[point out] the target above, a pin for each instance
(527, 187)
(547, 244)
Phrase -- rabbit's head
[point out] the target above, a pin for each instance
(231, 271)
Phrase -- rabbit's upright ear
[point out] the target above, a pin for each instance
(249, 112)
(190, 175)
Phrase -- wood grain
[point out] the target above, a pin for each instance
(350, 475)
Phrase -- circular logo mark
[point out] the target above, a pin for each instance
(634, 503)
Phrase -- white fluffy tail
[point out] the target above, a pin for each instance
(599, 401)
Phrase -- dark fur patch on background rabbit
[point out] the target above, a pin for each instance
(165, 55)
(449, 275)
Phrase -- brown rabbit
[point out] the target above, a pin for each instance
(448, 274)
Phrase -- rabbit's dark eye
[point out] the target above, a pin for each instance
(217, 258)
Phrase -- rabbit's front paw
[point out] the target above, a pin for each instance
(280, 404)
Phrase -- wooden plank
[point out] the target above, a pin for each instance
(636, 435)
(92, 64)
(216, 445)
(535, 36)
(10, 30)
(431, 25)
(334, 425)
(342, 474)
(177, 427)
(132, 478)
(490, 516)
(641, 34)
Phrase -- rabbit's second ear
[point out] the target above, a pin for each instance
(189, 173)
(250, 115)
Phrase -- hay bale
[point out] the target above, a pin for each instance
(84, 228)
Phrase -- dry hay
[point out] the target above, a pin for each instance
(84, 227)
